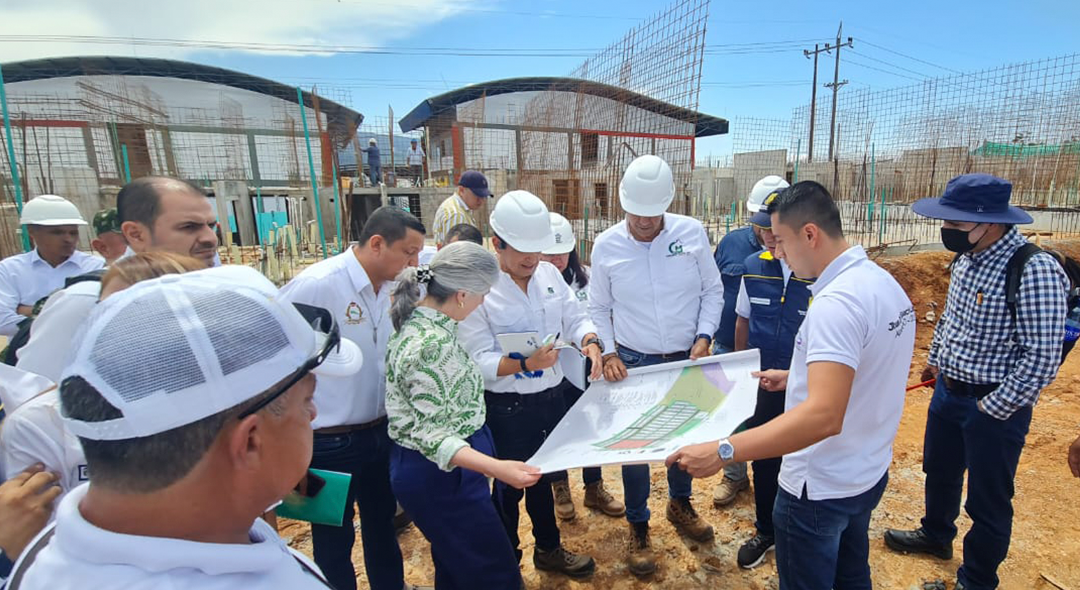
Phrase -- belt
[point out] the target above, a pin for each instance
(352, 427)
(682, 355)
(525, 399)
(975, 390)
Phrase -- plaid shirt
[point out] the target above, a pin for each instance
(976, 341)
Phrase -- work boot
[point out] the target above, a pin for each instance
(686, 520)
(596, 496)
(917, 541)
(753, 552)
(564, 504)
(563, 561)
(640, 559)
(728, 490)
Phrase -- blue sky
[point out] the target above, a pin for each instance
(950, 35)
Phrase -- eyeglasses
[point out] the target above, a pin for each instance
(321, 320)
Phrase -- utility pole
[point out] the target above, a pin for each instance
(813, 101)
(835, 86)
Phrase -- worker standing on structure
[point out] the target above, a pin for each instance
(374, 161)
(655, 297)
(731, 255)
(25, 279)
(990, 364)
(524, 395)
(414, 159)
(472, 191)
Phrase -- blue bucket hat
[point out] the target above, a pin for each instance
(978, 198)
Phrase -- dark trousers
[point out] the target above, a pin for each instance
(770, 404)
(637, 482)
(823, 544)
(959, 437)
(519, 425)
(366, 455)
(571, 395)
(453, 509)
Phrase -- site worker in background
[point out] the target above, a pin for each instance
(443, 452)
(731, 254)
(351, 428)
(109, 242)
(53, 224)
(523, 394)
(472, 191)
(188, 442)
(374, 160)
(414, 159)
(990, 366)
(564, 257)
(845, 396)
(655, 296)
(156, 214)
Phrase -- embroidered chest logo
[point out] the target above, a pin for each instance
(353, 313)
(551, 291)
(675, 248)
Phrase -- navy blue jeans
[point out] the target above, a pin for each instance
(823, 544)
(959, 437)
(453, 509)
(636, 480)
(366, 455)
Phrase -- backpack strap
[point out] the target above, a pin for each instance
(94, 275)
(28, 556)
(1014, 270)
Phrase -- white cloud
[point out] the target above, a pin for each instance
(321, 22)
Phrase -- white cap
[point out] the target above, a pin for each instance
(647, 187)
(564, 235)
(521, 219)
(371, 140)
(50, 210)
(761, 191)
(173, 350)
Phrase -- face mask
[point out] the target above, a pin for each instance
(956, 240)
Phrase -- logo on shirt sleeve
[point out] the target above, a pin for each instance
(902, 321)
(353, 313)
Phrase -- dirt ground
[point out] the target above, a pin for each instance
(1046, 530)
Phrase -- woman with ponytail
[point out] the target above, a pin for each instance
(443, 453)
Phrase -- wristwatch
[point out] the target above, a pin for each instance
(705, 336)
(725, 450)
(594, 340)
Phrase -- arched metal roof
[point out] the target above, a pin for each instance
(341, 121)
(704, 125)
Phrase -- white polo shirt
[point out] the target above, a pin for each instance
(34, 433)
(550, 307)
(655, 297)
(81, 555)
(52, 335)
(860, 317)
(26, 278)
(341, 285)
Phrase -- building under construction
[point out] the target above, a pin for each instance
(83, 126)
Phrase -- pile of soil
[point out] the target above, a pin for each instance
(1046, 529)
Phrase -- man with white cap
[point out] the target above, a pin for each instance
(374, 161)
(524, 394)
(190, 436)
(731, 255)
(53, 223)
(655, 296)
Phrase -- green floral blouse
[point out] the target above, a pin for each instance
(434, 390)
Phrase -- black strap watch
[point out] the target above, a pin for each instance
(594, 340)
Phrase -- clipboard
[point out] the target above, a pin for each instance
(327, 506)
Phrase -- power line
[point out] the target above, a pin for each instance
(869, 67)
(891, 65)
(923, 61)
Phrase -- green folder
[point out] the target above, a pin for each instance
(326, 507)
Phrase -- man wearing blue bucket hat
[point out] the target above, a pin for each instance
(989, 368)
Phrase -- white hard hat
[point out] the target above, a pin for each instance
(371, 140)
(564, 235)
(521, 219)
(647, 187)
(761, 191)
(50, 210)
